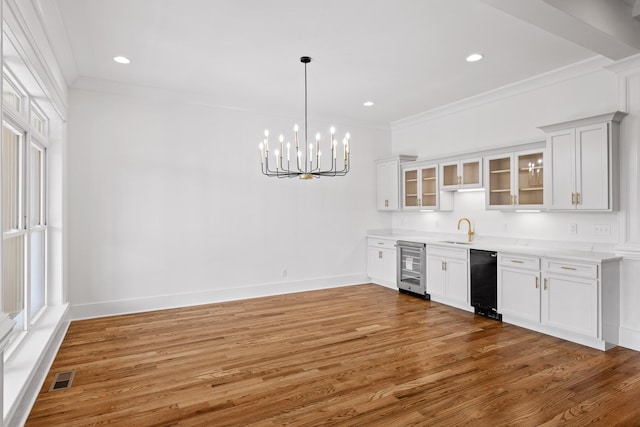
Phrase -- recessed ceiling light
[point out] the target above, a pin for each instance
(368, 103)
(474, 57)
(121, 59)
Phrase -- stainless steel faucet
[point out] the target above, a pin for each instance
(470, 232)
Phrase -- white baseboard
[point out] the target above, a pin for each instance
(163, 302)
(28, 365)
(382, 282)
(629, 338)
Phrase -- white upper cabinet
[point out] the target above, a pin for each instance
(461, 174)
(584, 160)
(388, 182)
(515, 180)
(421, 189)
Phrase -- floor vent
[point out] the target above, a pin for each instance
(62, 380)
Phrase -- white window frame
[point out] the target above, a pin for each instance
(19, 121)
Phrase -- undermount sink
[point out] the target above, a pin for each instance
(451, 242)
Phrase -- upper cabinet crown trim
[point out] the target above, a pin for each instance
(616, 116)
(397, 158)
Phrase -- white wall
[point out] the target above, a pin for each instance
(167, 199)
(506, 121)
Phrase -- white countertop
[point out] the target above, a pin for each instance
(512, 246)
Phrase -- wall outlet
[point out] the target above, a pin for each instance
(283, 272)
(573, 228)
(602, 229)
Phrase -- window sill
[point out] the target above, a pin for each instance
(27, 365)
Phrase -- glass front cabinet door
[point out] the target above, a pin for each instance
(515, 181)
(421, 191)
(461, 174)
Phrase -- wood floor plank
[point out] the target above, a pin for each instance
(352, 356)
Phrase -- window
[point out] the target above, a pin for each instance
(37, 229)
(38, 121)
(24, 220)
(12, 96)
(13, 231)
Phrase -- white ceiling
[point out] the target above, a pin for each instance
(408, 56)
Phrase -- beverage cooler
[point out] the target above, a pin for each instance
(412, 268)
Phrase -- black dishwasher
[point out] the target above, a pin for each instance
(484, 283)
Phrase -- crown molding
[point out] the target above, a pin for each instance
(588, 66)
(630, 65)
(615, 116)
(17, 29)
(55, 32)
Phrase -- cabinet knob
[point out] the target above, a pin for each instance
(577, 199)
(379, 254)
(537, 282)
(573, 198)
(545, 284)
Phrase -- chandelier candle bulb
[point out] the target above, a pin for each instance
(295, 129)
(288, 152)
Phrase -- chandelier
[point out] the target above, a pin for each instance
(307, 161)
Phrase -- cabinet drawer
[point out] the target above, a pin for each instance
(571, 268)
(448, 253)
(519, 261)
(381, 243)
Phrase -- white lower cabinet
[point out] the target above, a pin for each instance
(448, 276)
(519, 287)
(570, 297)
(381, 261)
(576, 301)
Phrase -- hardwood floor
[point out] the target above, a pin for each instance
(354, 356)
